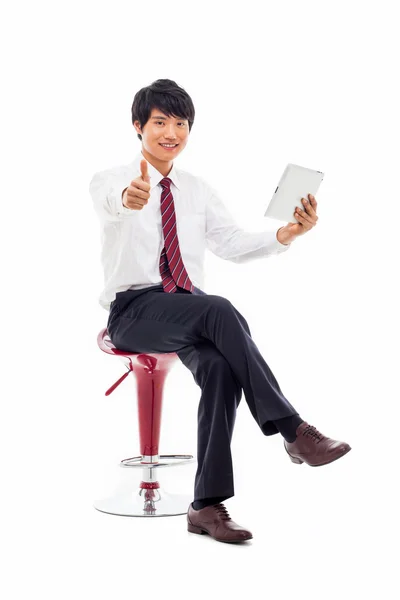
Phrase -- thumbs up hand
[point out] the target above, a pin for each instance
(138, 193)
(144, 171)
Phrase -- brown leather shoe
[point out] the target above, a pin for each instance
(312, 447)
(215, 521)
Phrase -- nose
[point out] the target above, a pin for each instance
(170, 132)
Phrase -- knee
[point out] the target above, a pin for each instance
(219, 302)
(225, 306)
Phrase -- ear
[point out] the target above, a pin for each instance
(137, 127)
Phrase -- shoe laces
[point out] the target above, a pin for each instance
(220, 508)
(313, 432)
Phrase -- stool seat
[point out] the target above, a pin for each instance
(104, 342)
(150, 371)
(150, 361)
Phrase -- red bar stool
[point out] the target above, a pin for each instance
(149, 499)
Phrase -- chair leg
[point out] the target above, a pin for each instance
(149, 498)
(150, 388)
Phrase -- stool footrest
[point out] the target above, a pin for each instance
(166, 460)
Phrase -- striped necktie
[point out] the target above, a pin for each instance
(172, 269)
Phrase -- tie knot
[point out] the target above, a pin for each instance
(166, 182)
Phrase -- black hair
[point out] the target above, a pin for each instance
(166, 95)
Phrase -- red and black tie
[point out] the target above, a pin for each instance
(172, 269)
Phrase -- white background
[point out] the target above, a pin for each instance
(314, 83)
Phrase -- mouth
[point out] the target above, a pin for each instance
(169, 148)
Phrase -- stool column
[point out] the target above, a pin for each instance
(150, 379)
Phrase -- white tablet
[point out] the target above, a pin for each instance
(296, 183)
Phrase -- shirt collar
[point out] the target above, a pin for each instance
(155, 176)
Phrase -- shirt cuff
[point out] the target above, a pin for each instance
(115, 196)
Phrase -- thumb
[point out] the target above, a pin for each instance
(144, 171)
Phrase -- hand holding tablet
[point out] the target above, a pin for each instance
(296, 183)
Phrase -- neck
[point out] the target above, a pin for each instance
(162, 166)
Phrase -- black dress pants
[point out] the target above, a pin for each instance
(213, 340)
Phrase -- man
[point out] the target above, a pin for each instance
(156, 222)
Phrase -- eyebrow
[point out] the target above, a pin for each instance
(164, 118)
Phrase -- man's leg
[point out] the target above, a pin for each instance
(156, 321)
(220, 396)
(220, 391)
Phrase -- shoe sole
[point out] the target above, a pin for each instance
(200, 530)
(298, 461)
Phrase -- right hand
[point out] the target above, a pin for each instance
(138, 192)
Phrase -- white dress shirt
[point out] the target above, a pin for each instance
(132, 240)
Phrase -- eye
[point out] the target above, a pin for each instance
(181, 123)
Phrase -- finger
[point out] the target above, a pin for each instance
(139, 193)
(304, 223)
(139, 184)
(312, 200)
(143, 169)
(309, 208)
(304, 217)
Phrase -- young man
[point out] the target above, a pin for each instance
(157, 220)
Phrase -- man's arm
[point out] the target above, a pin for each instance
(105, 190)
(226, 239)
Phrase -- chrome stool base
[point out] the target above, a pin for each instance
(145, 503)
(148, 499)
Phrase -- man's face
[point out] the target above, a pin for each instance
(161, 129)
